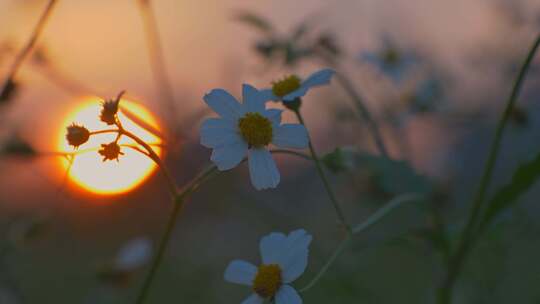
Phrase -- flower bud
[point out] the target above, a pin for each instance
(77, 135)
(110, 109)
(108, 112)
(110, 151)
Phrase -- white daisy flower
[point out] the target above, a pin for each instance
(292, 87)
(248, 128)
(284, 259)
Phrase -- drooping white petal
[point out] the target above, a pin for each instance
(217, 132)
(290, 136)
(288, 295)
(223, 104)
(268, 94)
(316, 79)
(240, 272)
(274, 115)
(271, 247)
(253, 100)
(262, 169)
(253, 299)
(294, 257)
(319, 78)
(230, 155)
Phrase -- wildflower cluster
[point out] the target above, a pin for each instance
(78, 135)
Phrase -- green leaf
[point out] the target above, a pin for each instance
(525, 176)
(255, 21)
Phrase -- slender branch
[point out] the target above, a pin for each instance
(364, 112)
(468, 236)
(23, 53)
(324, 179)
(361, 106)
(157, 58)
(369, 222)
(384, 211)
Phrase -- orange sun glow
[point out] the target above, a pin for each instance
(88, 171)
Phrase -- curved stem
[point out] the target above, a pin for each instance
(21, 56)
(369, 222)
(324, 179)
(468, 236)
(153, 155)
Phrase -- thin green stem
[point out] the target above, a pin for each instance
(324, 179)
(23, 53)
(337, 252)
(383, 211)
(468, 236)
(361, 106)
(368, 223)
(157, 58)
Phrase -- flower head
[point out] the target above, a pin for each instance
(292, 87)
(77, 135)
(108, 112)
(110, 109)
(284, 259)
(110, 151)
(248, 128)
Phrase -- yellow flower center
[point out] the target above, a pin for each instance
(255, 129)
(286, 85)
(267, 281)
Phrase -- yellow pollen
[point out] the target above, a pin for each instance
(267, 281)
(255, 129)
(286, 85)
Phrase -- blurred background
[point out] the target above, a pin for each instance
(435, 74)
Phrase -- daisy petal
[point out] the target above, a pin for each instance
(274, 115)
(268, 94)
(217, 132)
(291, 136)
(271, 247)
(229, 156)
(287, 295)
(253, 299)
(223, 104)
(262, 169)
(319, 78)
(253, 100)
(316, 79)
(240, 272)
(294, 257)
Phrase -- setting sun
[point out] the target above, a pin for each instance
(88, 170)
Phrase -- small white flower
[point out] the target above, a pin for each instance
(248, 128)
(292, 87)
(133, 254)
(284, 259)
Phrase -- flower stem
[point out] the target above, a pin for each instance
(23, 53)
(364, 112)
(324, 179)
(468, 236)
(372, 220)
(157, 58)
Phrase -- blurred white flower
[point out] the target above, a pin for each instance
(284, 259)
(292, 87)
(248, 128)
(134, 254)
